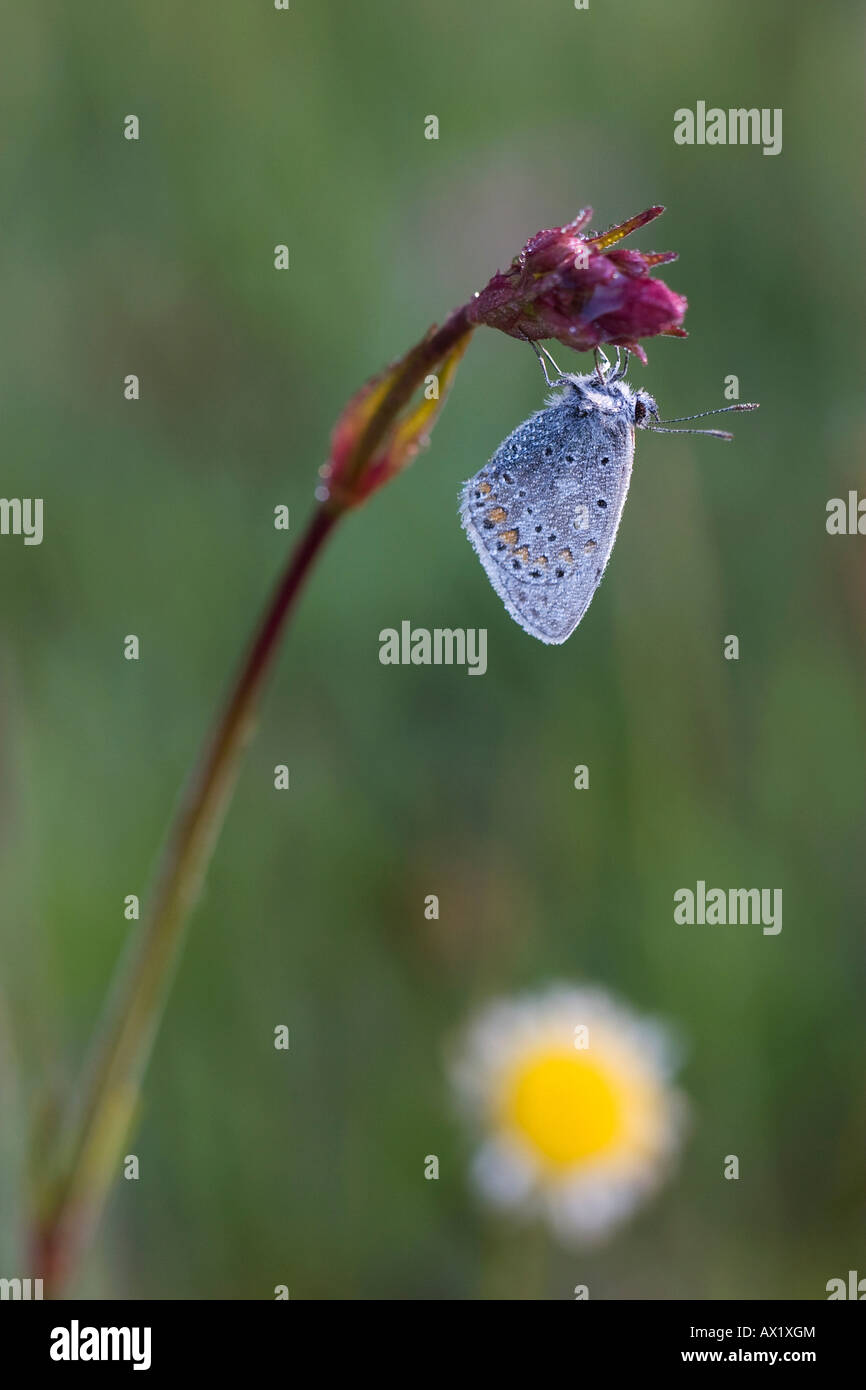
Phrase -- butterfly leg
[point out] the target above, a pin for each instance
(602, 364)
(538, 352)
(621, 367)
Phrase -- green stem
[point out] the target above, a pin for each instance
(109, 1095)
(87, 1157)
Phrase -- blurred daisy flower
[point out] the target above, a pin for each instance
(572, 1094)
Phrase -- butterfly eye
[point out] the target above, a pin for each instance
(639, 411)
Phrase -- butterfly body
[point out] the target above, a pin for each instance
(543, 514)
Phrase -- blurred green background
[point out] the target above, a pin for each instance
(307, 127)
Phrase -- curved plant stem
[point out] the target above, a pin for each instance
(108, 1100)
(86, 1158)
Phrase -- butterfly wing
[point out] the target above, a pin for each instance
(544, 512)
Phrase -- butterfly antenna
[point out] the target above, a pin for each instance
(712, 434)
(719, 410)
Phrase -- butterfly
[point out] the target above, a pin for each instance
(543, 514)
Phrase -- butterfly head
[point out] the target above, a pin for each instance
(612, 398)
(644, 409)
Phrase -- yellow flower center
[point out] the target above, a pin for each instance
(565, 1106)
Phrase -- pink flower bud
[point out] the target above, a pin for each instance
(574, 288)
